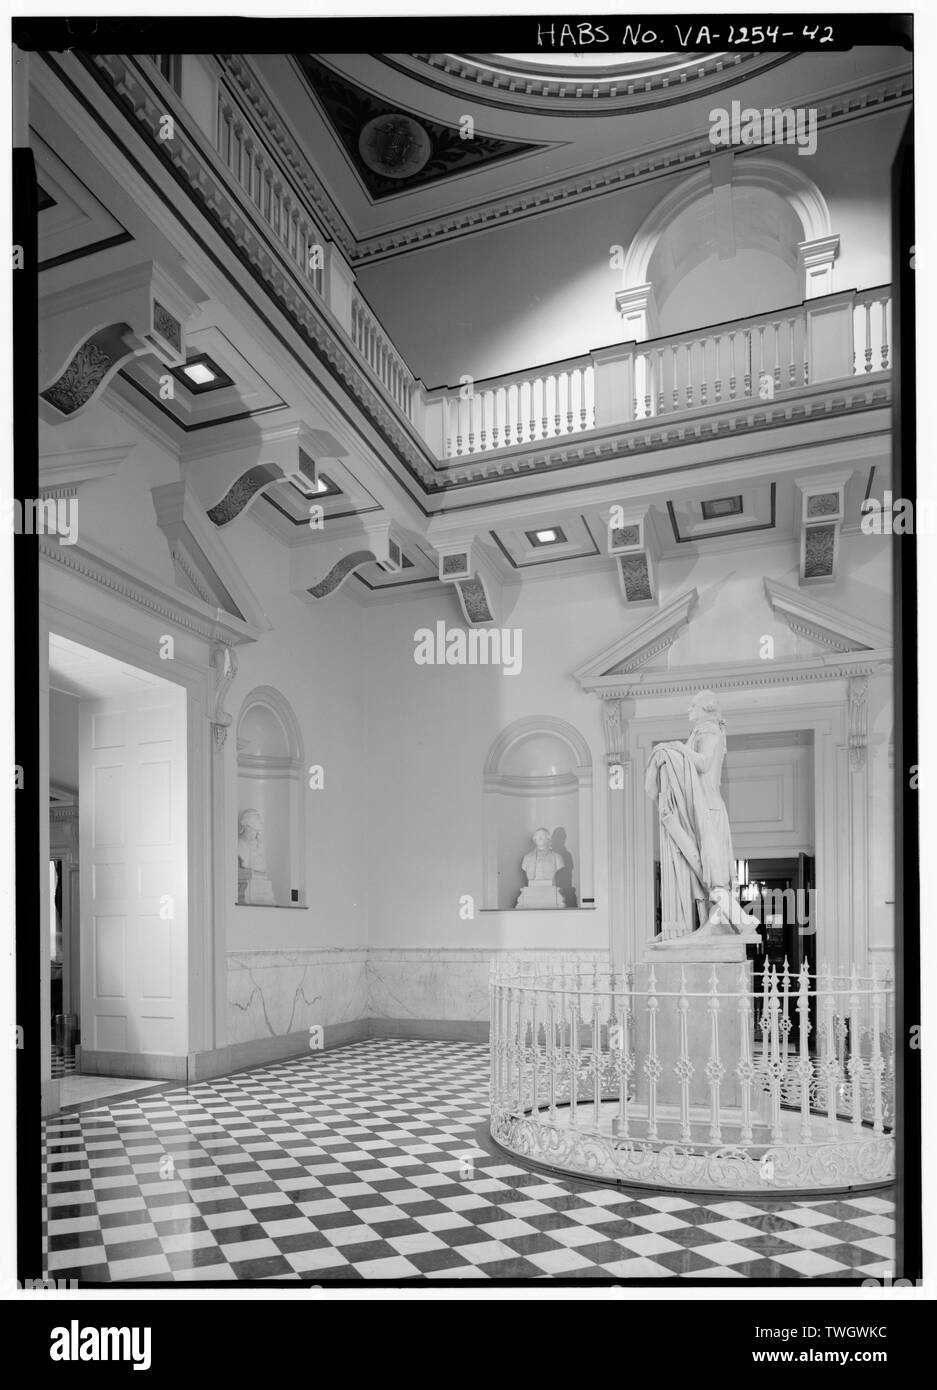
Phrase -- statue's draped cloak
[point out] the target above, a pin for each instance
(695, 844)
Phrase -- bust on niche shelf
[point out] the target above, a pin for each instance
(541, 865)
(254, 886)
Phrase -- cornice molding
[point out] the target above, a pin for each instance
(727, 419)
(308, 314)
(582, 92)
(824, 624)
(68, 469)
(123, 579)
(768, 674)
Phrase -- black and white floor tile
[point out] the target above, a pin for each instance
(369, 1162)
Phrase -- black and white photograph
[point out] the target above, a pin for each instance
(465, 525)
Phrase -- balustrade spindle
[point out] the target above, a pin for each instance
(868, 337)
(704, 383)
(574, 1003)
(774, 1054)
(876, 1060)
(785, 1021)
(732, 380)
(805, 1067)
(689, 374)
(652, 1062)
(792, 369)
(830, 1065)
(854, 1065)
(596, 1056)
(660, 381)
(744, 1067)
(534, 1052)
(684, 1066)
(552, 1048)
(884, 303)
(717, 362)
(509, 1046)
(714, 1066)
(747, 356)
(777, 355)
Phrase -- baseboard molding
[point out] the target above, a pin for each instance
(258, 1052)
(143, 1066)
(443, 1029)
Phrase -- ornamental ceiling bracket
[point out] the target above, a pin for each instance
(465, 566)
(87, 332)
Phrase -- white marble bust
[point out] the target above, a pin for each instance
(541, 865)
(254, 885)
(251, 852)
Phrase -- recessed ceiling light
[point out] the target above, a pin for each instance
(549, 535)
(199, 373)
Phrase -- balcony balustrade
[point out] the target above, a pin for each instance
(250, 177)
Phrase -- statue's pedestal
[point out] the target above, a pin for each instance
(540, 895)
(692, 966)
(254, 888)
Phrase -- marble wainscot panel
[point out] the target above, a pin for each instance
(276, 993)
(432, 992)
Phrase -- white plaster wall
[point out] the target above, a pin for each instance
(316, 658)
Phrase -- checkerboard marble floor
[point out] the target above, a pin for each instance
(370, 1162)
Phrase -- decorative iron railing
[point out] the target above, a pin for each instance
(732, 1075)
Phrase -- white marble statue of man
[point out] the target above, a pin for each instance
(697, 859)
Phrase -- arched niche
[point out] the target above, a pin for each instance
(271, 769)
(744, 236)
(538, 772)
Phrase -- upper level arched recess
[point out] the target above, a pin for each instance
(742, 236)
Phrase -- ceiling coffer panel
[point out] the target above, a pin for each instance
(394, 150)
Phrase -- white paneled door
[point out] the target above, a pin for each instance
(132, 833)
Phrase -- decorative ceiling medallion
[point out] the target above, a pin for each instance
(396, 146)
(391, 150)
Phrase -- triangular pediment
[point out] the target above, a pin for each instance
(640, 645)
(201, 562)
(829, 627)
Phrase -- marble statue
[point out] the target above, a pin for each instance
(697, 863)
(254, 884)
(541, 865)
